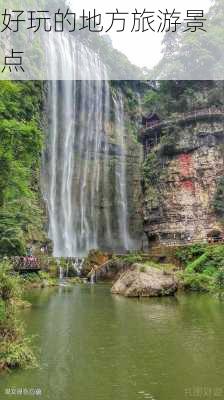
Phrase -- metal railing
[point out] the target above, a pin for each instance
(186, 242)
(185, 116)
(27, 263)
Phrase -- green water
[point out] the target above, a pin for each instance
(95, 346)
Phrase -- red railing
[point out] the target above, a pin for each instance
(26, 263)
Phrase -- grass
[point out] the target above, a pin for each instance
(132, 258)
(153, 264)
(196, 282)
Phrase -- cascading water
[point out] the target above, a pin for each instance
(61, 273)
(77, 266)
(121, 187)
(85, 192)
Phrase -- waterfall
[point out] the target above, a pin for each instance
(121, 179)
(61, 273)
(85, 192)
(77, 265)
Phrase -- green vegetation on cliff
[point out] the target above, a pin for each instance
(176, 165)
(171, 97)
(20, 154)
(194, 54)
(219, 198)
(168, 99)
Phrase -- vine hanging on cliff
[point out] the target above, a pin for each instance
(218, 202)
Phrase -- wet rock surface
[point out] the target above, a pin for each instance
(178, 204)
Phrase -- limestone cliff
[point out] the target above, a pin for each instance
(132, 162)
(183, 168)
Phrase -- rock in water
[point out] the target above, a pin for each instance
(145, 282)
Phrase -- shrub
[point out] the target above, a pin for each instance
(14, 347)
(9, 284)
(219, 279)
(198, 264)
(17, 354)
(189, 253)
(197, 282)
(206, 271)
(152, 169)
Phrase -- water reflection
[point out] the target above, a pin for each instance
(98, 346)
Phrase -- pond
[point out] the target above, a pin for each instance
(95, 346)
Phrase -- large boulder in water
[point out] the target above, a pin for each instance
(142, 281)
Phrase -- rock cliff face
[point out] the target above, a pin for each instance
(107, 202)
(131, 164)
(182, 173)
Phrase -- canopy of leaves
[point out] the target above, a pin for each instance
(20, 152)
(167, 97)
(195, 55)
